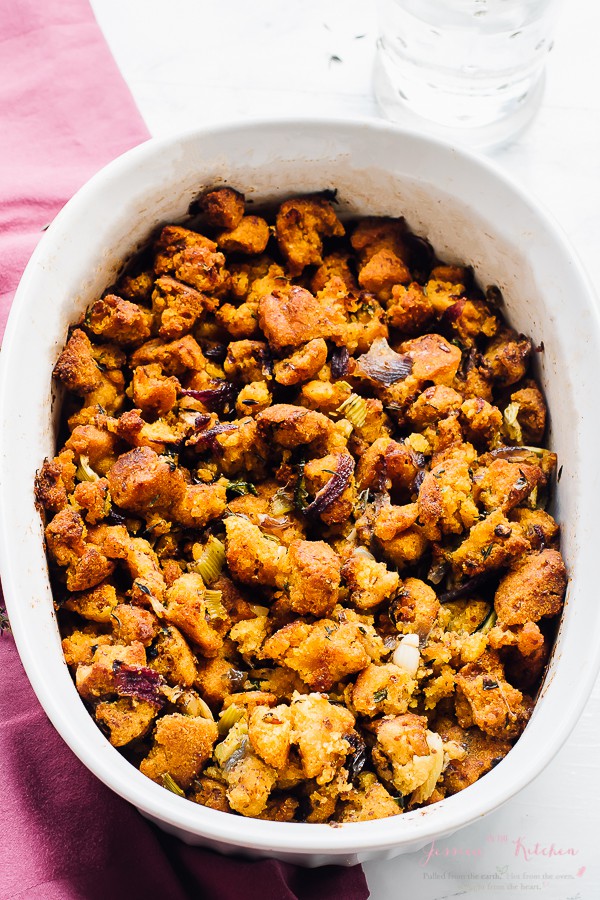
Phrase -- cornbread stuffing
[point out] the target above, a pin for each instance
(296, 526)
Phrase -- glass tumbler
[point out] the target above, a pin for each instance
(468, 70)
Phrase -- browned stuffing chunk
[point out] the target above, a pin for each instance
(300, 226)
(119, 320)
(144, 482)
(182, 744)
(293, 317)
(223, 207)
(176, 306)
(532, 589)
(250, 236)
(313, 578)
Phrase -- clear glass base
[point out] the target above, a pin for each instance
(490, 135)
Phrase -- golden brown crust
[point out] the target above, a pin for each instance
(294, 317)
(154, 393)
(142, 481)
(313, 578)
(181, 745)
(303, 364)
(119, 320)
(176, 307)
(299, 228)
(533, 589)
(125, 719)
(484, 698)
(481, 753)
(223, 208)
(175, 358)
(370, 582)
(250, 236)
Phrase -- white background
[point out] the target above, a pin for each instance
(193, 62)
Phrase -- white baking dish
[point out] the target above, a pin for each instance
(470, 212)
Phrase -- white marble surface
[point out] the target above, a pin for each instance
(191, 62)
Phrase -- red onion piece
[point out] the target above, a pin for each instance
(206, 440)
(216, 352)
(139, 682)
(213, 398)
(334, 488)
(339, 362)
(382, 364)
(454, 312)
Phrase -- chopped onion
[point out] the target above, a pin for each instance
(259, 610)
(193, 705)
(362, 551)
(382, 364)
(437, 572)
(436, 747)
(278, 524)
(207, 440)
(406, 655)
(157, 606)
(511, 423)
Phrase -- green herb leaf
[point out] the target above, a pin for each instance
(240, 488)
(380, 695)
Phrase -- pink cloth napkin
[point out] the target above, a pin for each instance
(65, 112)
